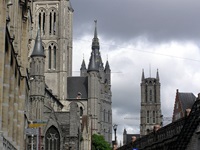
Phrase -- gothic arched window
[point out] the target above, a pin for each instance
(154, 117)
(52, 56)
(52, 139)
(108, 116)
(41, 20)
(49, 57)
(52, 22)
(148, 116)
(81, 111)
(104, 115)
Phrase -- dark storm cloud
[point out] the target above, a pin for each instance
(158, 20)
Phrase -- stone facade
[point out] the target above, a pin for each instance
(150, 114)
(14, 33)
(54, 18)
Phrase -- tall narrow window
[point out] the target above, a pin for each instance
(54, 24)
(154, 117)
(150, 95)
(81, 111)
(50, 25)
(54, 50)
(108, 116)
(41, 21)
(148, 116)
(49, 57)
(43, 24)
(104, 115)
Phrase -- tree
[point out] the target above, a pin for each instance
(99, 143)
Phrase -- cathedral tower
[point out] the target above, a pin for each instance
(150, 114)
(55, 21)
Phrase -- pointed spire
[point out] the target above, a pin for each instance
(143, 75)
(38, 49)
(83, 66)
(107, 67)
(92, 64)
(95, 42)
(157, 75)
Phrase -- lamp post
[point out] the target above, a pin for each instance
(115, 130)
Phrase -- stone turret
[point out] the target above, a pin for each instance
(37, 79)
(83, 69)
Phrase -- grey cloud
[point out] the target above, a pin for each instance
(125, 20)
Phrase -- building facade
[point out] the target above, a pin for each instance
(92, 91)
(150, 114)
(15, 21)
(54, 18)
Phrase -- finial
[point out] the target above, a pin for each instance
(83, 56)
(95, 32)
(157, 75)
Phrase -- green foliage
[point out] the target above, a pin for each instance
(99, 143)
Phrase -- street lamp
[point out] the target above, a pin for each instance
(115, 129)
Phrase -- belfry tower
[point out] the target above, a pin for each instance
(150, 114)
(54, 18)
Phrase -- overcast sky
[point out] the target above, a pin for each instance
(136, 35)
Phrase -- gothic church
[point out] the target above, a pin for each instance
(37, 86)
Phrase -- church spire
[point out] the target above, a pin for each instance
(143, 75)
(95, 42)
(38, 49)
(157, 75)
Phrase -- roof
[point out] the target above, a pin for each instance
(38, 50)
(75, 85)
(187, 100)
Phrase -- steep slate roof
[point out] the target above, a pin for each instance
(187, 100)
(38, 50)
(77, 84)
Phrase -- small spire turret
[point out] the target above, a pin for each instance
(92, 64)
(95, 41)
(143, 75)
(157, 76)
(38, 49)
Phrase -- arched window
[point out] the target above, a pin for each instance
(52, 139)
(52, 56)
(108, 116)
(49, 57)
(81, 111)
(148, 116)
(104, 115)
(150, 95)
(52, 22)
(154, 117)
(41, 20)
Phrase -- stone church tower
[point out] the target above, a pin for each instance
(150, 114)
(55, 21)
